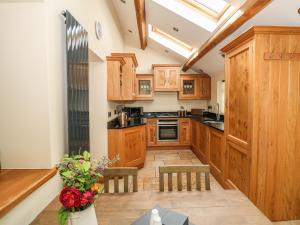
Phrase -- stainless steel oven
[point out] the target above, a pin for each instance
(167, 130)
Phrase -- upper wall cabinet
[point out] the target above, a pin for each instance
(124, 82)
(166, 77)
(194, 87)
(144, 85)
(205, 87)
(114, 77)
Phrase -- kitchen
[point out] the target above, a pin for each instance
(190, 107)
(176, 112)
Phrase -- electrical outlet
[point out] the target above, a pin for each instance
(109, 114)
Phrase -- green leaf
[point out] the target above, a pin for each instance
(86, 155)
(86, 166)
(80, 179)
(68, 174)
(63, 216)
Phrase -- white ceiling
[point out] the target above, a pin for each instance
(278, 12)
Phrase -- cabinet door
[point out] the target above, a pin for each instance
(194, 135)
(144, 84)
(128, 80)
(216, 152)
(203, 142)
(151, 132)
(184, 131)
(205, 88)
(189, 87)
(114, 74)
(134, 146)
(160, 80)
(173, 79)
(238, 117)
(238, 167)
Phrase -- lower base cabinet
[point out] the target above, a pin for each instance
(217, 154)
(237, 167)
(129, 144)
(184, 134)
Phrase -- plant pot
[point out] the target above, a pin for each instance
(85, 217)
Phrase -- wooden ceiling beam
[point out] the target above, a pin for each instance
(141, 21)
(249, 9)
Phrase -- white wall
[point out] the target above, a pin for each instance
(214, 79)
(32, 87)
(24, 110)
(33, 78)
(112, 41)
(163, 101)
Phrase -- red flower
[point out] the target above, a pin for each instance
(87, 197)
(70, 197)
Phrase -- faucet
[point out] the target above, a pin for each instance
(217, 105)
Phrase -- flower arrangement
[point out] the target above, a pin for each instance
(80, 178)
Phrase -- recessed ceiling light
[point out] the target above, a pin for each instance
(175, 29)
(130, 31)
(123, 1)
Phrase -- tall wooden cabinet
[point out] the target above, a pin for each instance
(166, 77)
(238, 118)
(121, 85)
(262, 123)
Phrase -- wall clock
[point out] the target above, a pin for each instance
(98, 30)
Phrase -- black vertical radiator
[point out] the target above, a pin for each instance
(78, 86)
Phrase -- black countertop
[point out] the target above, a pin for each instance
(207, 119)
(219, 125)
(114, 124)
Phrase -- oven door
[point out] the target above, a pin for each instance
(167, 130)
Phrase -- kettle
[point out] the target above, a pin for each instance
(123, 119)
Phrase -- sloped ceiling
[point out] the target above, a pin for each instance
(278, 12)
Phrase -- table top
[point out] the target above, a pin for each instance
(209, 208)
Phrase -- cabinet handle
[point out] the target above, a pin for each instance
(120, 83)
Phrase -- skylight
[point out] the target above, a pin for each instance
(208, 14)
(216, 6)
(170, 42)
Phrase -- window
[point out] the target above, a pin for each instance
(170, 42)
(208, 14)
(213, 8)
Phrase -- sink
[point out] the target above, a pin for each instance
(214, 122)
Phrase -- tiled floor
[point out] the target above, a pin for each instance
(149, 177)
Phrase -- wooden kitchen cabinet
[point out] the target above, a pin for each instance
(202, 142)
(121, 85)
(189, 87)
(184, 132)
(204, 87)
(114, 77)
(144, 87)
(194, 131)
(166, 77)
(151, 132)
(129, 144)
(238, 116)
(217, 154)
(195, 87)
(261, 118)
